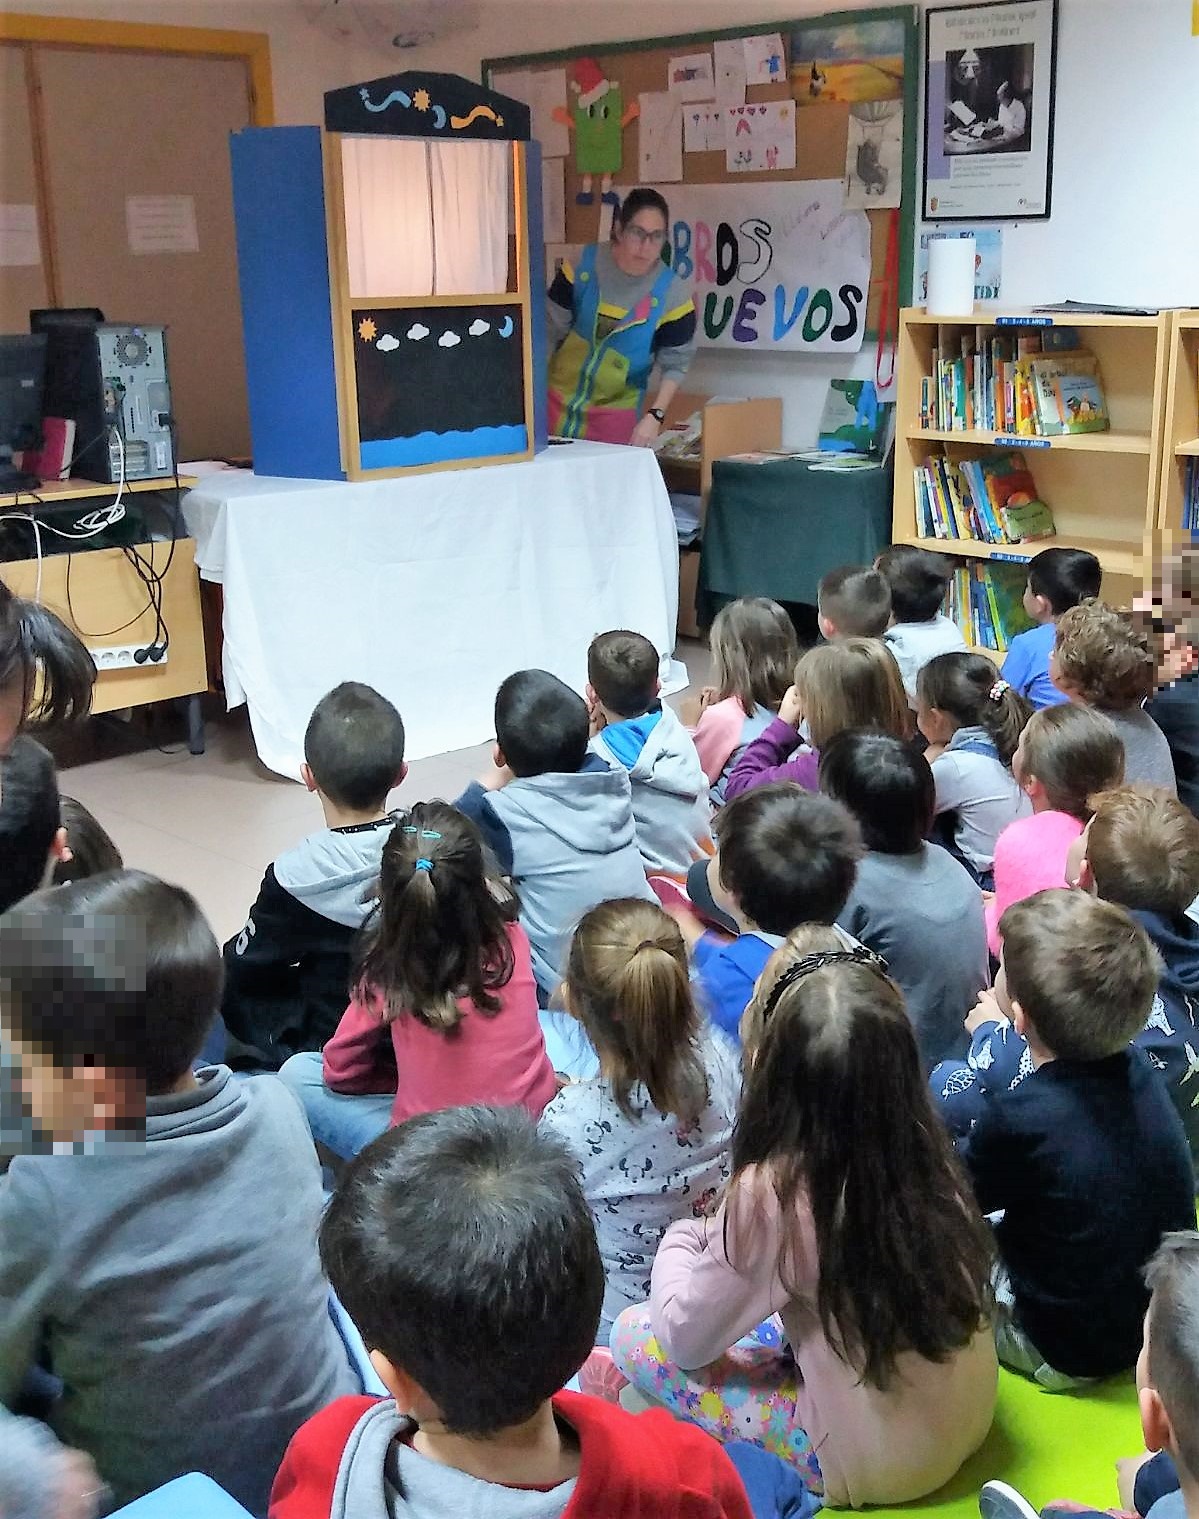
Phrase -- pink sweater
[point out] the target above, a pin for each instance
(487, 1057)
(1030, 856)
(873, 1447)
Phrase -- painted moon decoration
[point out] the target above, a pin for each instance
(505, 329)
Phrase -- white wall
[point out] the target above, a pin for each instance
(1125, 223)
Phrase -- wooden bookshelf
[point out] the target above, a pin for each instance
(1180, 440)
(1104, 488)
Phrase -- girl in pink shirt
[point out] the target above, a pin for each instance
(754, 650)
(1065, 756)
(444, 1010)
(848, 1216)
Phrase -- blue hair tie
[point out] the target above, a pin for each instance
(425, 865)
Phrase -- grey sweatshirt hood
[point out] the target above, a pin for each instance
(416, 1488)
(334, 872)
(670, 791)
(588, 812)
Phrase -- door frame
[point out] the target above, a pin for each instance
(140, 37)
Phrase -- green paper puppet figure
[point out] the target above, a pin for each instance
(598, 122)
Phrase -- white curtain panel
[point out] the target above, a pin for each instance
(389, 217)
(472, 188)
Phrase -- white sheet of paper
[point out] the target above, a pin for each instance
(760, 136)
(765, 60)
(703, 129)
(660, 139)
(20, 246)
(161, 224)
(514, 82)
(729, 59)
(874, 159)
(547, 92)
(553, 199)
(690, 77)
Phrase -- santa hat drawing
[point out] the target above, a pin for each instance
(588, 82)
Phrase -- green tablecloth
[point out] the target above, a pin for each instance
(775, 529)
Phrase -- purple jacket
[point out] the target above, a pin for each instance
(766, 759)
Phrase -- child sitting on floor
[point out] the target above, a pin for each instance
(1174, 707)
(89, 849)
(785, 857)
(651, 1132)
(1066, 755)
(559, 818)
(919, 629)
(852, 683)
(1058, 579)
(286, 972)
(848, 1215)
(1101, 660)
(32, 839)
(973, 721)
(1162, 1485)
(634, 729)
(1086, 1158)
(1140, 851)
(912, 903)
(167, 1269)
(463, 1248)
(753, 655)
(444, 1006)
(853, 602)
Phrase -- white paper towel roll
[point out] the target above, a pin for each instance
(950, 276)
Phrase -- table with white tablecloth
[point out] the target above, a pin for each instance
(432, 588)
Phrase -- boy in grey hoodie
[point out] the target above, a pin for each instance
(287, 973)
(559, 818)
(168, 1268)
(635, 730)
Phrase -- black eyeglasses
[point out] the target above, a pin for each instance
(809, 963)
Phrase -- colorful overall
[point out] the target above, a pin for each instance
(597, 384)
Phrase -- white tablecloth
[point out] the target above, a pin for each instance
(432, 588)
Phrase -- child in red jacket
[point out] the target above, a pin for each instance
(463, 1248)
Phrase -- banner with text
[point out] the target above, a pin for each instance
(781, 267)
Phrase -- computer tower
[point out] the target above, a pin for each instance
(112, 380)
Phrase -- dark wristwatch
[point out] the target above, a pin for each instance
(657, 413)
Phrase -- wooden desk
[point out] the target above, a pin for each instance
(101, 598)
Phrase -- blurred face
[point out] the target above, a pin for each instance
(638, 245)
(1033, 604)
(67, 1104)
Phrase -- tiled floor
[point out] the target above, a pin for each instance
(213, 822)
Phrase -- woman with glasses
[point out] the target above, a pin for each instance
(612, 317)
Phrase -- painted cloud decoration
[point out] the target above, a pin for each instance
(416, 332)
(387, 343)
(478, 327)
(448, 340)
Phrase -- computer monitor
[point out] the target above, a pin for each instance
(22, 371)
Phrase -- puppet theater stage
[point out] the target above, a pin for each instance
(406, 524)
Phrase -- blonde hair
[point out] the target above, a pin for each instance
(1073, 752)
(627, 983)
(754, 650)
(852, 683)
(1143, 849)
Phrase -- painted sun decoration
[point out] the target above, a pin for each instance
(431, 231)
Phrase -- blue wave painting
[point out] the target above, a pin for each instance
(442, 447)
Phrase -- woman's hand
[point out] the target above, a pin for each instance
(645, 434)
(791, 709)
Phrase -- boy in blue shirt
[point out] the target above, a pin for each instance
(786, 856)
(1058, 579)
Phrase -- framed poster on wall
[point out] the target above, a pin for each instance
(989, 101)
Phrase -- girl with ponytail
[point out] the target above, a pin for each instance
(652, 1129)
(443, 1006)
(972, 720)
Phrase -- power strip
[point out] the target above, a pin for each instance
(119, 656)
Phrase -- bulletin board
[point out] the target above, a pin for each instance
(825, 97)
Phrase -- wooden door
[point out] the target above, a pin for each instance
(121, 124)
(22, 285)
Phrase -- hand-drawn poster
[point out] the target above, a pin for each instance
(765, 60)
(660, 139)
(874, 154)
(760, 136)
(862, 60)
(988, 101)
(728, 56)
(691, 77)
(773, 273)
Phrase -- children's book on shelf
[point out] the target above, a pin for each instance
(1069, 394)
(1190, 497)
(986, 602)
(992, 499)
